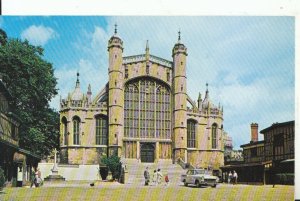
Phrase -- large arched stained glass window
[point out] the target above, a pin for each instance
(65, 130)
(147, 109)
(214, 136)
(101, 130)
(76, 127)
(191, 134)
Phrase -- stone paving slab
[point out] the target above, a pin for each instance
(114, 191)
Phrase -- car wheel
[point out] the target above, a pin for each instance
(198, 184)
(214, 186)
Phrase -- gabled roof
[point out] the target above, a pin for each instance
(252, 143)
(276, 125)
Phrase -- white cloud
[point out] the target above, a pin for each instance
(99, 38)
(38, 35)
(91, 65)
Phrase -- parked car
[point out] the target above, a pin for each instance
(199, 177)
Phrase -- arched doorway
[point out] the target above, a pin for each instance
(147, 153)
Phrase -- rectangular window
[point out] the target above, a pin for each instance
(76, 131)
(101, 131)
(278, 145)
(253, 152)
(65, 133)
(191, 140)
(214, 136)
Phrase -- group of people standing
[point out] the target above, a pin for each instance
(156, 178)
(232, 177)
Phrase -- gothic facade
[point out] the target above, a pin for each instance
(143, 113)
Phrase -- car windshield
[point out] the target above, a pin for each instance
(199, 171)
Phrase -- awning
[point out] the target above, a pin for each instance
(19, 158)
(288, 160)
(267, 162)
(29, 154)
(241, 165)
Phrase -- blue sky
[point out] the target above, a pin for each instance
(248, 62)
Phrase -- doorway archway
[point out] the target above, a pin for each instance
(147, 152)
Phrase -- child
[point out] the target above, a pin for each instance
(167, 180)
(159, 176)
(154, 179)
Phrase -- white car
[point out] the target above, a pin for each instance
(199, 177)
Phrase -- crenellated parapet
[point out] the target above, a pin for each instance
(68, 103)
(152, 58)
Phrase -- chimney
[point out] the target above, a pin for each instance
(254, 132)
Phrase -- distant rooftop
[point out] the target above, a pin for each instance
(275, 125)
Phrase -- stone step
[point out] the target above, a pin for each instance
(135, 170)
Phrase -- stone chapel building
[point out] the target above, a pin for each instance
(142, 113)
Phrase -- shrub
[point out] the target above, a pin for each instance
(14, 182)
(114, 165)
(103, 172)
(2, 178)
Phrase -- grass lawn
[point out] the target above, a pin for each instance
(134, 192)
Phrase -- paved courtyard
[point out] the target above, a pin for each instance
(71, 191)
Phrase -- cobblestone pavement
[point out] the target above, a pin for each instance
(72, 191)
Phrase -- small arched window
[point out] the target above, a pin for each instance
(76, 130)
(191, 134)
(65, 130)
(126, 71)
(214, 136)
(101, 130)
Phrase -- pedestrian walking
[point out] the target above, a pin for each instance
(38, 178)
(147, 176)
(235, 177)
(272, 177)
(229, 177)
(32, 178)
(159, 176)
(154, 179)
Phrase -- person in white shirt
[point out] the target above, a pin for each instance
(229, 177)
(159, 176)
(235, 176)
(154, 179)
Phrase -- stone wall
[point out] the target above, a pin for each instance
(71, 172)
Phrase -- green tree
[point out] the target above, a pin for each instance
(30, 79)
(3, 37)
